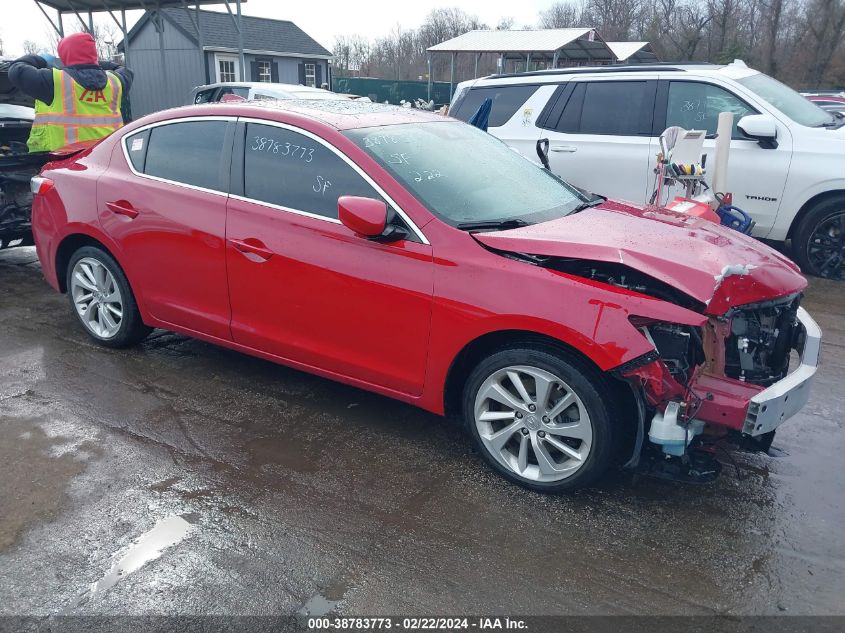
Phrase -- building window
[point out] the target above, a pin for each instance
(311, 75)
(227, 69)
(264, 71)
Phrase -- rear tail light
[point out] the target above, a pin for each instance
(40, 185)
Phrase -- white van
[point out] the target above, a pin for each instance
(787, 161)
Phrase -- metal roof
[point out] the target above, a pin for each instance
(527, 41)
(84, 6)
(639, 51)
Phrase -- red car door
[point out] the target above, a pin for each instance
(167, 211)
(303, 286)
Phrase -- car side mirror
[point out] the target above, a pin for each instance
(366, 217)
(761, 128)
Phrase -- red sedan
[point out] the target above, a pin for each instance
(420, 258)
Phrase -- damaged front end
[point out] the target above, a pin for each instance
(732, 359)
(737, 377)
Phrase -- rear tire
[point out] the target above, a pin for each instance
(101, 299)
(818, 243)
(541, 418)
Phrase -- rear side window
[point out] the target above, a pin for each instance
(696, 106)
(189, 152)
(291, 170)
(613, 107)
(204, 96)
(136, 149)
(623, 108)
(506, 101)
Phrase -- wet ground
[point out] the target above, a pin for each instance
(183, 478)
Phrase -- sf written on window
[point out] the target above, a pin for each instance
(293, 171)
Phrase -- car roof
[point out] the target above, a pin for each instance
(735, 70)
(261, 84)
(344, 114)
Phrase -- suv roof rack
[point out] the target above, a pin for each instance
(609, 68)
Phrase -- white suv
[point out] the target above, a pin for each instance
(787, 161)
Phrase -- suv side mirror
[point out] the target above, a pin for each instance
(761, 128)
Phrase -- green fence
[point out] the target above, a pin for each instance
(392, 91)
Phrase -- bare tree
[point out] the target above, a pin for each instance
(826, 25)
(504, 23)
(31, 48)
(801, 42)
(562, 15)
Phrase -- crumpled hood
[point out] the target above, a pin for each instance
(711, 263)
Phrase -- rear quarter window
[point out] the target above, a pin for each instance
(204, 96)
(136, 149)
(506, 101)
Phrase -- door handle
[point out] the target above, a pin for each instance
(252, 246)
(564, 148)
(122, 207)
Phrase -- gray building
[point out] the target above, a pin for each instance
(173, 50)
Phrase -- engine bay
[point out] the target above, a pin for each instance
(761, 338)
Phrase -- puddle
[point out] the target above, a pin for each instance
(321, 604)
(317, 606)
(148, 547)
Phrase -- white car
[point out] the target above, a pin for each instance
(787, 160)
(259, 90)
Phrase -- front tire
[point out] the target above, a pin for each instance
(101, 299)
(541, 418)
(819, 240)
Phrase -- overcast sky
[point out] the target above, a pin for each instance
(21, 20)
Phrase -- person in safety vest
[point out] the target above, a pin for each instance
(79, 102)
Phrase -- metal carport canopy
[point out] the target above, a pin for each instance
(89, 7)
(577, 45)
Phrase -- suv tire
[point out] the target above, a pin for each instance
(818, 243)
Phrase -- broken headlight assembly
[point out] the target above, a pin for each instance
(761, 338)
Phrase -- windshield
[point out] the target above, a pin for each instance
(464, 175)
(787, 100)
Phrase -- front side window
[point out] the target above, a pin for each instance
(293, 171)
(788, 101)
(696, 106)
(311, 75)
(464, 175)
(189, 152)
(264, 71)
(506, 100)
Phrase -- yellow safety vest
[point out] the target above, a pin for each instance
(75, 114)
